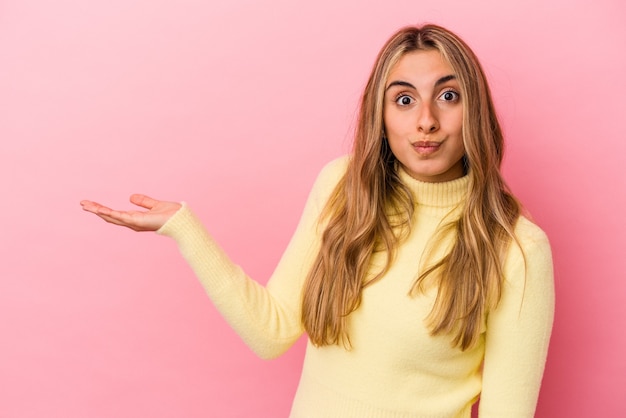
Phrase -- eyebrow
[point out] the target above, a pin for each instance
(442, 80)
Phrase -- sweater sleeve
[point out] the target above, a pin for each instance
(267, 318)
(518, 330)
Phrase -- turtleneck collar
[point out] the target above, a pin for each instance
(439, 195)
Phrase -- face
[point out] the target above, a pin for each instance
(423, 116)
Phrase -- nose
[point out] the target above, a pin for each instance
(427, 120)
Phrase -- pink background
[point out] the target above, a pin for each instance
(234, 107)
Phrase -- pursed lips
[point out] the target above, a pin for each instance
(426, 147)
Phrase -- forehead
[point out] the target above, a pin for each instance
(423, 65)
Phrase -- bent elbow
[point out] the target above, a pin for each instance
(271, 349)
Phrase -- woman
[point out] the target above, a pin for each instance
(418, 282)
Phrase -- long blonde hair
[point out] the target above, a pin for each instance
(370, 205)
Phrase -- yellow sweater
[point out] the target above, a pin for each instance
(395, 369)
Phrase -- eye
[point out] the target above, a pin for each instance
(449, 96)
(404, 100)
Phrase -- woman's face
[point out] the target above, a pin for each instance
(423, 116)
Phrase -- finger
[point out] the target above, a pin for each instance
(130, 219)
(86, 204)
(94, 207)
(118, 220)
(113, 220)
(143, 201)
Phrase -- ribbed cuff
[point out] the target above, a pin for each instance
(210, 263)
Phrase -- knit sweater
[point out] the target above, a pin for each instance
(394, 368)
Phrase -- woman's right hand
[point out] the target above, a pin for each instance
(154, 218)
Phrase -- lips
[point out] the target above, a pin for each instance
(426, 147)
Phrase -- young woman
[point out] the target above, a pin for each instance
(419, 283)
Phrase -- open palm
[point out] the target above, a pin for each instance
(157, 213)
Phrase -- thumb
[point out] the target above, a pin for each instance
(143, 201)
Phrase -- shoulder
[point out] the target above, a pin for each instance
(530, 234)
(530, 252)
(334, 170)
(326, 182)
(330, 175)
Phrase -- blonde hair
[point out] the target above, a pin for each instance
(370, 209)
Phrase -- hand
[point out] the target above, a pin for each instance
(154, 218)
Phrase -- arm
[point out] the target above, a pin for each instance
(518, 330)
(267, 318)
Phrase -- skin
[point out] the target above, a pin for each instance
(423, 116)
(158, 212)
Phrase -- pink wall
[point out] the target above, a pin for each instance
(234, 107)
